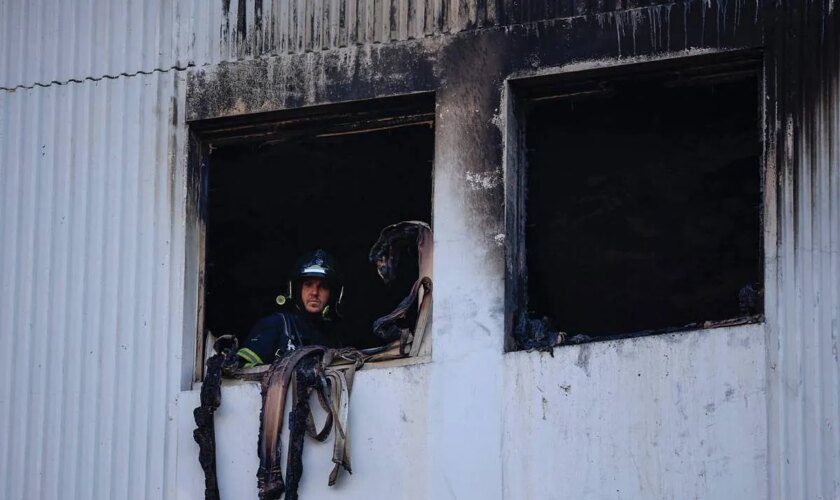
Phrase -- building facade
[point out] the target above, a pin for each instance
(102, 109)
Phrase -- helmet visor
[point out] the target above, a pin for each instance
(314, 271)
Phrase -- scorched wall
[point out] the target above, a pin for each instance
(97, 297)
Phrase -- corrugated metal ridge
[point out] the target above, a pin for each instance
(48, 43)
(58, 40)
(91, 292)
(252, 28)
(804, 301)
(92, 79)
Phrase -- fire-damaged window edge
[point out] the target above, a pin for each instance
(526, 333)
(256, 373)
(327, 120)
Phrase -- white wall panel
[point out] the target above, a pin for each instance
(49, 41)
(670, 416)
(803, 261)
(804, 306)
(91, 225)
(390, 425)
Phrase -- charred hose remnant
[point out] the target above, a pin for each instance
(275, 384)
(305, 379)
(211, 398)
(304, 371)
(395, 325)
(408, 320)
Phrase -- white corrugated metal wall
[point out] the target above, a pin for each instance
(53, 41)
(57, 41)
(91, 288)
(806, 365)
(90, 265)
(803, 302)
(91, 226)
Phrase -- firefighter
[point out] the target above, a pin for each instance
(307, 316)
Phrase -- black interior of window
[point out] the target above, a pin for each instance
(644, 206)
(268, 202)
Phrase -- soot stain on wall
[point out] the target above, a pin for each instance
(468, 70)
(354, 73)
(803, 72)
(313, 27)
(373, 70)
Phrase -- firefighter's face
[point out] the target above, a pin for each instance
(315, 294)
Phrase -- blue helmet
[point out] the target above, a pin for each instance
(318, 264)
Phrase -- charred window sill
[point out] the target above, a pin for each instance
(255, 374)
(706, 325)
(566, 339)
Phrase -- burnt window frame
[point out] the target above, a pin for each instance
(358, 116)
(522, 90)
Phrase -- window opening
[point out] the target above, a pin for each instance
(272, 197)
(643, 207)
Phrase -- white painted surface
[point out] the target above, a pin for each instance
(388, 416)
(672, 416)
(803, 298)
(91, 288)
(48, 41)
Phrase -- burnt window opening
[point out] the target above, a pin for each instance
(271, 199)
(643, 207)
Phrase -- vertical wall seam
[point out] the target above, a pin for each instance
(11, 277)
(63, 297)
(30, 269)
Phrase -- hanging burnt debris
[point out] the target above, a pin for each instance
(402, 254)
(405, 249)
(537, 334)
(300, 371)
(211, 399)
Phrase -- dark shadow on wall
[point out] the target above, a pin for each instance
(270, 202)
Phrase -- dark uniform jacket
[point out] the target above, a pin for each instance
(275, 335)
